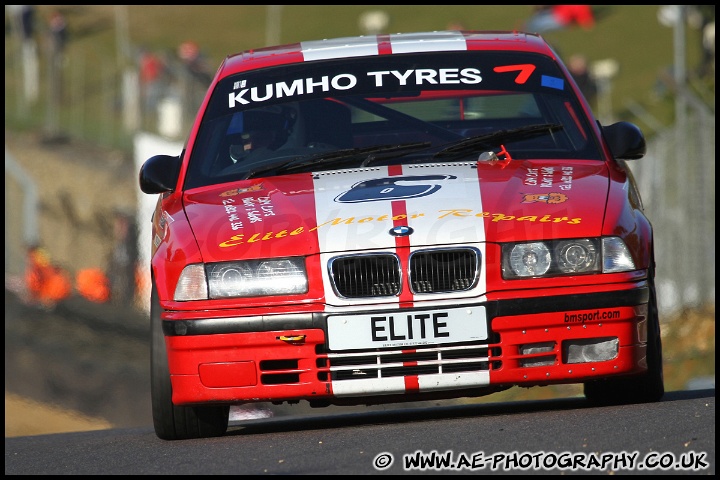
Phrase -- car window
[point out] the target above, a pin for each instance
(297, 113)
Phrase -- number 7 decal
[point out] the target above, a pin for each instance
(525, 70)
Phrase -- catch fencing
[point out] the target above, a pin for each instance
(677, 182)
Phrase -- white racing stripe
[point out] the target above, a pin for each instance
(396, 385)
(368, 386)
(446, 216)
(359, 225)
(354, 213)
(339, 48)
(427, 42)
(448, 381)
(354, 207)
(368, 45)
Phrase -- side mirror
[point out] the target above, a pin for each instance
(626, 140)
(159, 174)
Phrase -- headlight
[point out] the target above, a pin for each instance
(577, 256)
(250, 278)
(192, 284)
(565, 257)
(616, 256)
(530, 259)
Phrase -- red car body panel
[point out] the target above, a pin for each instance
(277, 348)
(207, 369)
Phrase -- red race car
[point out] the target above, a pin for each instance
(393, 218)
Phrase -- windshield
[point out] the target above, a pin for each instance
(384, 110)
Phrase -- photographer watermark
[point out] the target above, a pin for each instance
(579, 461)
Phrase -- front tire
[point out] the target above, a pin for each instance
(645, 388)
(174, 422)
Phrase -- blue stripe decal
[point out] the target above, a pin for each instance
(552, 82)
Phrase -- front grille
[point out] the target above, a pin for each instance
(437, 271)
(400, 363)
(366, 275)
(431, 271)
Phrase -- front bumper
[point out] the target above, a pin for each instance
(285, 357)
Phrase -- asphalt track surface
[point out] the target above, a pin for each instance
(535, 437)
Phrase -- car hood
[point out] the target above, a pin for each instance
(406, 205)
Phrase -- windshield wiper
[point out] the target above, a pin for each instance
(352, 153)
(394, 152)
(471, 144)
(336, 156)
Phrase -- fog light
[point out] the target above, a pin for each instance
(590, 350)
(533, 348)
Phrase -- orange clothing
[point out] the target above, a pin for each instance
(93, 284)
(46, 283)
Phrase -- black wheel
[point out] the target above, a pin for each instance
(174, 422)
(645, 388)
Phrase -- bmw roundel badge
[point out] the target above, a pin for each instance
(401, 231)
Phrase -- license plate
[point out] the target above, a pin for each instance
(406, 328)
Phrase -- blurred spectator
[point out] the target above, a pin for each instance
(27, 21)
(93, 284)
(123, 261)
(193, 79)
(546, 18)
(707, 30)
(46, 283)
(701, 17)
(57, 39)
(707, 65)
(578, 66)
(195, 62)
(23, 19)
(152, 70)
(58, 33)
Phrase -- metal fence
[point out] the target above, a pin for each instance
(677, 183)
